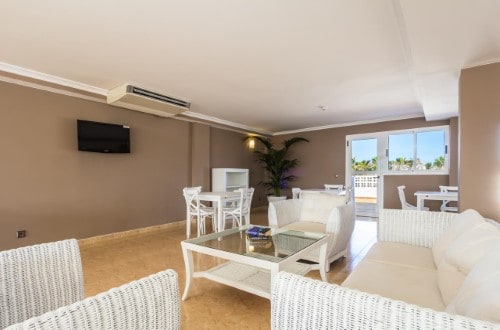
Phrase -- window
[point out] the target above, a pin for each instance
(423, 150)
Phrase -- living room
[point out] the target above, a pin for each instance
(53, 191)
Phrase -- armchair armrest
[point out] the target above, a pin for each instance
(413, 227)
(303, 303)
(152, 302)
(39, 278)
(282, 213)
(340, 226)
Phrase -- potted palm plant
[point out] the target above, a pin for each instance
(276, 164)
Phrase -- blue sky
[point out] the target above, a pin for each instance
(430, 145)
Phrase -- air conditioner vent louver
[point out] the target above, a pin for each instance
(140, 99)
(156, 96)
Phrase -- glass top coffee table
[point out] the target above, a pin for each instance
(250, 264)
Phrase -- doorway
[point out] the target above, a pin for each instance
(363, 170)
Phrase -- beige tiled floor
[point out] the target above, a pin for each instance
(112, 262)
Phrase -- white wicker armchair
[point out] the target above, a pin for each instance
(150, 303)
(302, 303)
(337, 221)
(39, 278)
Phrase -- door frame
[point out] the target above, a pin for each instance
(381, 160)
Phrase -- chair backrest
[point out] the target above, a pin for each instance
(191, 197)
(404, 204)
(150, 303)
(448, 188)
(444, 204)
(295, 193)
(39, 278)
(334, 187)
(245, 199)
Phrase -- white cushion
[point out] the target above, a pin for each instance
(461, 256)
(307, 226)
(411, 285)
(479, 295)
(316, 207)
(402, 254)
(468, 248)
(461, 222)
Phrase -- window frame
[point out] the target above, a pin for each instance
(414, 131)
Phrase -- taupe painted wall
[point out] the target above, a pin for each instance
(55, 192)
(479, 173)
(323, 158)
(200, 156)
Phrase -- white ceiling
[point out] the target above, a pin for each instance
(263, 64)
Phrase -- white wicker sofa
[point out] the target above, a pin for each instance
(317, 212)
(427, 270)
(41, 287)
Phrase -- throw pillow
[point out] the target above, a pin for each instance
(316, 206)
(470, 247)
(478, 296)
(460, 223)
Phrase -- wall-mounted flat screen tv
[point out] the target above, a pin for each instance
(103, 137)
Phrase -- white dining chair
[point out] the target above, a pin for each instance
(338, 187)
(295, 193)
(444, 205)
(404, 204)
(242, 209)
(198, 211)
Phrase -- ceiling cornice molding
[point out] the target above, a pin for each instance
(49, 89)
(481, 63)
(354, 123)
(224, 122)
(17, 70)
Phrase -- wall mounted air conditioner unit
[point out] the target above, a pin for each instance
(135, 98)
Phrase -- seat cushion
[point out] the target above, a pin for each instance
(316, 206)
(313, 227)
(402, 254)
(409, 284)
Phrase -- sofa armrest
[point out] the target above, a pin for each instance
(152, 302)
(303, 303)
(413, 227)
(282, 213)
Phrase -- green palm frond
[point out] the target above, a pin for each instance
(275, 162)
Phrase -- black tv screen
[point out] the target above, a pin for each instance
(103, 137)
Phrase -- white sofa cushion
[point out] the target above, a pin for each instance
(461, 256)
(411, 285)
(478, 296)
(402, 254)
(461, 223)
(470, 247)
(316, 206)
(313, 227)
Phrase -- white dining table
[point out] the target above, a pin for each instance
(219, 199)
(434, 195)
